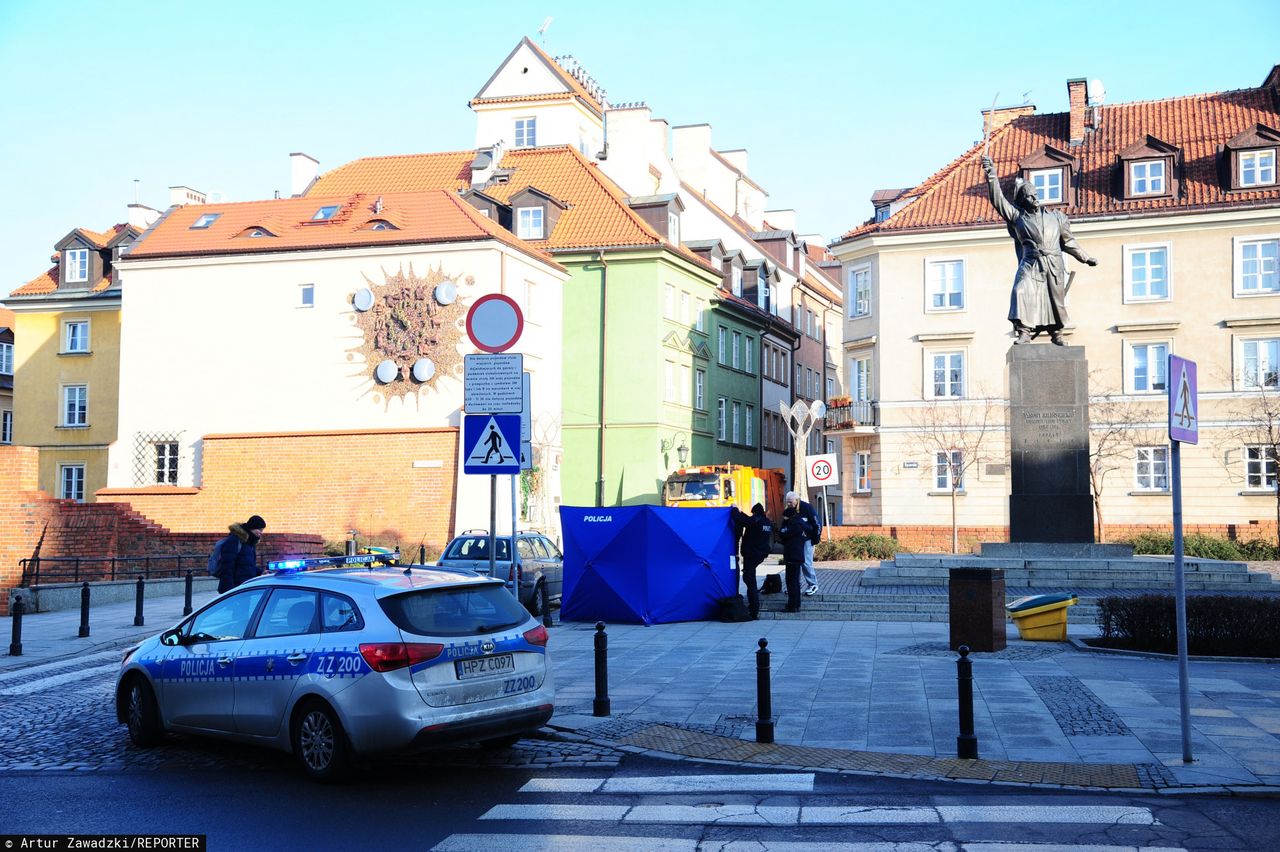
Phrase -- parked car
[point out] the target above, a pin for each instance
(538, 563)
(345, 663)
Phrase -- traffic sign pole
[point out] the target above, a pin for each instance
(1184, 426)
(493, 523)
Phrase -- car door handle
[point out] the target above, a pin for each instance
(224, 661)
(296, 658)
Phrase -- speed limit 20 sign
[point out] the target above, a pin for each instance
(822, 470)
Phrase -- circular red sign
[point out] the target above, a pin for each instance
(821, 470)
(494, 323)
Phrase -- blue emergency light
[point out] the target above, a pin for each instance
(291, 566)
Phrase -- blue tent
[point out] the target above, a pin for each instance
(645, 564)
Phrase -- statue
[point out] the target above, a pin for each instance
(1038, 300)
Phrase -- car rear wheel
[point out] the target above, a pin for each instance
(540, 602)
(142, 714)
(320, 744)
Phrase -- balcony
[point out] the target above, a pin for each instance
(859, 415)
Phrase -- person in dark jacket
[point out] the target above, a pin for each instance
(806, 510)
(793, 532)
(757, 536)
(238, 553)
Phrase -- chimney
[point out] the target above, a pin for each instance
(484, 164)
(304, 169)
(142, 217)
(737, 156)
(1078, 97)
(180, 195)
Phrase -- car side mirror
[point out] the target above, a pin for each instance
(172, 638)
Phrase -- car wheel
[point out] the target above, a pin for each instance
(142, 714)
(501, 742)
(320, 744)
(539, 605)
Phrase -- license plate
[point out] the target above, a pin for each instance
(481, 666)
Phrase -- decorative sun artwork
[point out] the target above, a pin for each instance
(411, 328)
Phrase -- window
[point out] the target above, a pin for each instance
(166, 462)
(700, 322)
(947, 466)
(308, 295)
(862, 472)
(205, 220)
(259, 232)
(700, 389)
(737, 344)
(684, 308)
(1257, 269)
(1146, 273)
(289, 612)
(75, 336)
(226, 619)
(1258, 168)
(673, 227)
(1259, 468)
(1261, 363)
(526, 132)
(71, 482)
(946, 285)
(1152, 471)
(669, 393)
(75, 405)
(338, 614)
(6, 427)
(721, 406)
(723, 337)
(948, 374)
(384, 225)
(6, 359)
(1146, 177)
(831, 388)
(748, 431)
(860, 292)
(1048, 184)
(749, 342)
(324, 214)
(669, 302)
(860, 374)
(736, 285)
(77, 261)
(737, 416)
(1147, 366)
(529, 225)
(686, 384)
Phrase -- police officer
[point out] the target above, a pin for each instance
(757, 536)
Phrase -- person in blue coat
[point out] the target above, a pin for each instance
(238, 553)
(794, 531)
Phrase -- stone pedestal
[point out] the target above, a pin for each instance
(975, 601)
(1049, 498)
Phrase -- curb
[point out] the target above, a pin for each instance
(1081, 645)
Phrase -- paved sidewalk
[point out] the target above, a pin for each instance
(868, 697)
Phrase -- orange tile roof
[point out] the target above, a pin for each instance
(426, 216)
(48, 283)
(516, 99)
(6, 318)
(1198, 125)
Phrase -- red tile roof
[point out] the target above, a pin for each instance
(6, 318)
(48, 283)
(955, 196)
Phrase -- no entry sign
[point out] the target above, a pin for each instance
(494, 323)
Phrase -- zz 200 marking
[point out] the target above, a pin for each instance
(519, 684)
(327, 664)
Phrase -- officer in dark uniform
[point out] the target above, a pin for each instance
(757, 536)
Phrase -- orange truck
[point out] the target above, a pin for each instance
(726, 485)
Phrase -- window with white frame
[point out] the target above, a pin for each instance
(1260, 363)
(1258, 168)
(948, 373)
(669, 393)
(529, 223)
(684, 307)
(700, 389)
(669, 302)
(737, 344)
(859, 297)
(748, 431)
(1259, 468)
(1146, 273)
(722, 406)
(831, 388)
(6, 427)
(6, 359)
(75, 405)
(860, 378)
(723, 341)
(701, 323)
(748, 343)
(1257, 266)
(71, 482)
(75, 336)
(736, 282)
(1151, 472)
(1048, 184)
(673, 227)
(166, 454)
(307, 295)
(1146, 177)
(830, 446)
(1147, 364)
(948, 467)
(737, 415)
(526, 132)
(862, 472)
(686, 384)
(77, 263)
(946, 285)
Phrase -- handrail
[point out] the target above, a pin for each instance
(75, 569)
(856, 413)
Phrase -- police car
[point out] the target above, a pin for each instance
(341, 659)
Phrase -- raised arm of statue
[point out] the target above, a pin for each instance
(1006, 210)
(1070, 246)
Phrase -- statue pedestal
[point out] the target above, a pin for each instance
(1049, 499)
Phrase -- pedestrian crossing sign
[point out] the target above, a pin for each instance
(491, 443)
(1184, 411)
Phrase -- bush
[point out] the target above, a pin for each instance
(1204, 547)
(856, 547)
(1259, 550)
(1217, 625)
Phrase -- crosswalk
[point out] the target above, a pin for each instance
(632, 813)
(35, 679)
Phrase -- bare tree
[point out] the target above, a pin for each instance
(1258, 430)
(965, 433)
(1116, 426)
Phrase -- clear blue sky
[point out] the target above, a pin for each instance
(832, 99)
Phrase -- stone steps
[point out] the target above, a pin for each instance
(1154, 573)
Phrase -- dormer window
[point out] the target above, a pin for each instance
(673, 227)
(526, 132)
(535, 213)
(205, 220)
(1258, 168)
(258, 232)
(384, 225)
(1147, 177)
(324, 214)
(1048, 184)
(1251, 158)
(529, 223)
(736, 286)
(1147, 169)
(77, 265)
(1049, 171)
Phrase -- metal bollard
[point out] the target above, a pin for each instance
(137, 603)
(966, 743)
(18, 607)
(186, 603)
(764, 698)
(600, 706)
(84, 609)
(422, 554)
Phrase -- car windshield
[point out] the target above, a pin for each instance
(464, 611)
(693, 487)
(475, 547)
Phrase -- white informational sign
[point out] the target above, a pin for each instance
(822, 470)
(526, 415)
(493, 384)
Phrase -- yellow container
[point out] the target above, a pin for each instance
(1042, 618)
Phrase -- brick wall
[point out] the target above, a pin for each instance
(937, 539)
(24, 512)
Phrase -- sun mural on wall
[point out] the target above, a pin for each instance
(411, 327)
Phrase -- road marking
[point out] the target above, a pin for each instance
(629, 843)
(769, 782)
(601, 813)
(58, 680)
(562, 785)
(715, 815)
(562, 843)
(61, 664)
(1048, 813)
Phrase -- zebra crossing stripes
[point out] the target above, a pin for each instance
(790, 782)
(70, 662)
(58, 680)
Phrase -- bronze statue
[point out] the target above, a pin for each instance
(1038, 300)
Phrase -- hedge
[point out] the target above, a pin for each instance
(856, 547)
(1206, 547)
(1217, 625)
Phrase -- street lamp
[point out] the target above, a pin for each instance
(682, 451)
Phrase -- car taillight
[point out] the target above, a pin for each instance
(536, 636)
(389, 656)
(511, 574)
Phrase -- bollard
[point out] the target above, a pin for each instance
(764, 700)
(84, 609)
(137, 603)
(186, 603)
(422, 554)
(966, 743)
(600, 706)
(18, 607)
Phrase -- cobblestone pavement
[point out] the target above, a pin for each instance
(1076, 709)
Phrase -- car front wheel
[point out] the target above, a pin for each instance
(142, 714)
(319, 743)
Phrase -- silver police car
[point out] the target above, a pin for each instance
(339, 664)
